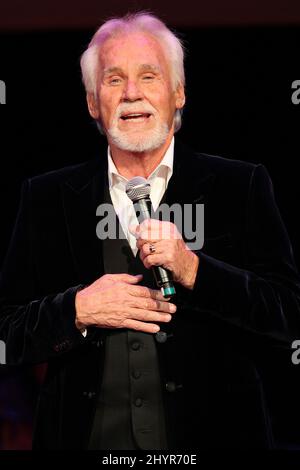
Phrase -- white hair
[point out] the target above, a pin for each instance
(131, 23)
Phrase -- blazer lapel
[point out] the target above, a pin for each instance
(190, 184)
(82, 194)
(191, 180)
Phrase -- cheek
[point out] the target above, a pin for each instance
(107, 107)
(166, 103)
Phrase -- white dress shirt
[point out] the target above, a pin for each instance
(123, 206)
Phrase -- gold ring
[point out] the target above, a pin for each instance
(151, 248)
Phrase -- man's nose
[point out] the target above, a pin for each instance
(131, 91)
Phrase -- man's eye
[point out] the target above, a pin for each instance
(115, 81)
(148, 77)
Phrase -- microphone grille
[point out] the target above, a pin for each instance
(138, 188)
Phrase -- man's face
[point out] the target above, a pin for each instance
(136, 100)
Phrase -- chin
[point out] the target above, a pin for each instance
(141, 141)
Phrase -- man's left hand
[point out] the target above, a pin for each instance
(161, 244)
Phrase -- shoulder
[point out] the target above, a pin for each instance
(63, 175)
(223, 169)
(73, 175)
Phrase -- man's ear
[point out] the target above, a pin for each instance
(93, 107)
(180, 96)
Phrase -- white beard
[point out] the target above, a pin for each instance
(139, 141)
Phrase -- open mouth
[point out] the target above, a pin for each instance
(135, 116)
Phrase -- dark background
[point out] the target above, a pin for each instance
(240, 65)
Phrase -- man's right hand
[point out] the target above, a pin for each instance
(115, 301)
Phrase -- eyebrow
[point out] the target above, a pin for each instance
(142, 67)
(110, 70)
(151, 67)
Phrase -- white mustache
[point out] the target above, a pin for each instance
(126, 108)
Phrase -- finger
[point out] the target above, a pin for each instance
(136, 229)
(133, 229)
(128, 278)
(148, 315)
(158, 230)
(141, 326)
(154, 305)
(150, 229)
(140, 243)
(154, 260)
(150, 236)
(145, 292)
(146, 249)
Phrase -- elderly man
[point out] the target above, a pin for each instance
(127, 367)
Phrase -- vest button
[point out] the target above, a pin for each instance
(136, 374)
(89, 395)
(171, 387)
(135, 346)
(138, 402)
(161, 336)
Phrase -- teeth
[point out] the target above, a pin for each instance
(133, 115)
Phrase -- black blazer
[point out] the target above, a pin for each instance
(245, 300)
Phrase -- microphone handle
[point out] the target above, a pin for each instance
(162, 276)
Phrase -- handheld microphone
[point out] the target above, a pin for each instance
(138, 190)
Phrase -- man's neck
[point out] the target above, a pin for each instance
(131, 164)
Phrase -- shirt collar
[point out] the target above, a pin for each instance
(167, 162)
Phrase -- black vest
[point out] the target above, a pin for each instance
(130, 412)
